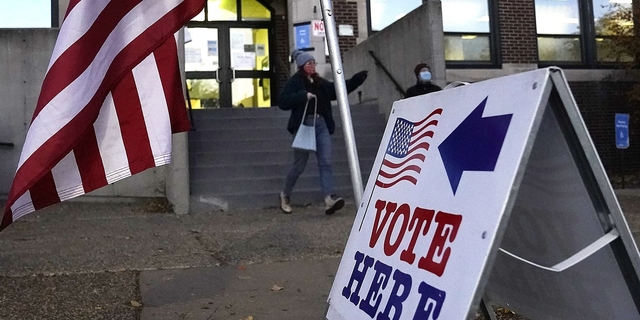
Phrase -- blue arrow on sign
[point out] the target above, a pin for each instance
(474, 145)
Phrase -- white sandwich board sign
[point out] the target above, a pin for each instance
(488, 190)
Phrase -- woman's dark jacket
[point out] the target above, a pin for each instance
(294, 98)
(421, 88)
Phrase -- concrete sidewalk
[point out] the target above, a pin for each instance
(127, 261)
(134, 260)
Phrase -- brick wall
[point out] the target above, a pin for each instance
(346, 12)
(282, 64)
(518, 40)
(598, 103)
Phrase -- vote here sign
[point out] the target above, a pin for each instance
(434, 207)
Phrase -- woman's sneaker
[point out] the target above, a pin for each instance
(334, 203)
(285, 203)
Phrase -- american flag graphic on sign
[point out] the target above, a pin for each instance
(110, 100)
(406, 150)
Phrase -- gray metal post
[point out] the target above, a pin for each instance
(343, 102)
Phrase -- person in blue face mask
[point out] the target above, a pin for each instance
(423, 85)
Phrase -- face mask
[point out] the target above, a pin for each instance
(425, 76)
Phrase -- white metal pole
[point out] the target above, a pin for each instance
(342, 97)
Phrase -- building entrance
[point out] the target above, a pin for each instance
(228, 60)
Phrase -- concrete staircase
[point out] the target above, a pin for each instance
(239, 157)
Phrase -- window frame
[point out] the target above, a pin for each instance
(55, 14)
(588, 45)
(563, 63)
(495, 62)
(238, 13)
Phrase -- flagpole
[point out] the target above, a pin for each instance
(342, 97)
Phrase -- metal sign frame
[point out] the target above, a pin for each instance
(616, 238)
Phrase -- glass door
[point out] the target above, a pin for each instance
(202, 64)
(251, 76)
(227, 61)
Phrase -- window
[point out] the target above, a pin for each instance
(558, 27)
(29, 14)
(228, 60)
(613, 22)
(583, 33)
(467, 31)
(234, 10)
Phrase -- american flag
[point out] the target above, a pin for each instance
(110, 100)
(406, 150)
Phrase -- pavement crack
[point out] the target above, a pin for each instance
(212, 249)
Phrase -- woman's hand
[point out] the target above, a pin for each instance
(360, 77)
(310, 96)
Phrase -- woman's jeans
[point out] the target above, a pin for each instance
(323, 153)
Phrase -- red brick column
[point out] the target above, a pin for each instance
(518, 36)
(281, 62)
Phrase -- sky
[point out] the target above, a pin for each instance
(385, 12)
(25, 13)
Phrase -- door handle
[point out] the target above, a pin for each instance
(218, 75)
(233, 74)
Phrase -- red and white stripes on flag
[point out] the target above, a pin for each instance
(110, 100)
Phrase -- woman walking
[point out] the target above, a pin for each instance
(306, 86)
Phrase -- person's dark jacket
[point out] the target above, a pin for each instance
(421, 88)
(294, 97)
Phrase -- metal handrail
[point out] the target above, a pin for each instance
(379, 64)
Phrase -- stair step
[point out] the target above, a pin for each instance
(263, 184)
(243, 113)
(268, 132)
(280, 144)
(245, 171)
(240, 157)
(285, 155)
(300, 197)
(213, 123)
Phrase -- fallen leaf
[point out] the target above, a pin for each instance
(136, 303)
(242, 268)
(276, 288)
